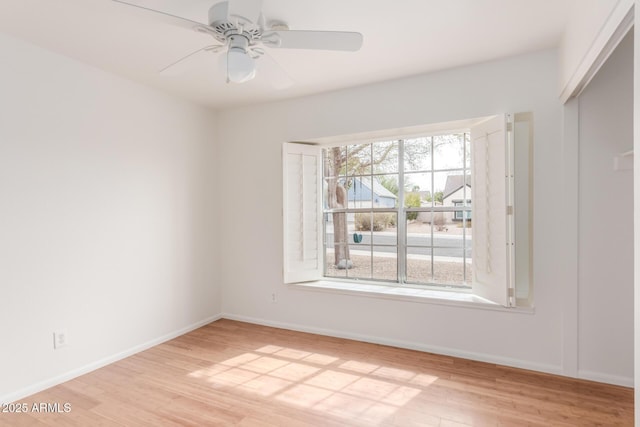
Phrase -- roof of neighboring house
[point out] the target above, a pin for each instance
(378, 189)
(454, 183)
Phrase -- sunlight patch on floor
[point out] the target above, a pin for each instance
(342, 388)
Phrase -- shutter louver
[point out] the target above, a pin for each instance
(302, 217)
(493, 246)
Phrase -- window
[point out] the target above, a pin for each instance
(389, 211)
(460, 215)
(399, 210)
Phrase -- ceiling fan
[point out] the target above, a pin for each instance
(240, 30)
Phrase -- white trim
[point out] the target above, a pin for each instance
(74, 373)
(571, 240)
(636, 215)
(392, 291)
(480, 357)
(430, 129)
(510, 200)
(617, 25)
(606, 378)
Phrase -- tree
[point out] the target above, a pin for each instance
(390, 183)
(340, 164)
(337, 199)
(344, 163)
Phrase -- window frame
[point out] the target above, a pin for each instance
(402, 212)
(507, 129)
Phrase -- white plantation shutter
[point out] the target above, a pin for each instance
(302, 165)
(493, 225)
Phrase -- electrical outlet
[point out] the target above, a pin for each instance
(273, 298)
(60, 338)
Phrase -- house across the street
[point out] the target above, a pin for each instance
(457, 189)
(362, 192)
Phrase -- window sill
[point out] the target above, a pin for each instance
(406, 293)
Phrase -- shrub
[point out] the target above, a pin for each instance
(380, 221)
(412, 200)
(439, 221)
(392, 220)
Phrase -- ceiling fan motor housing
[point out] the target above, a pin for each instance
(225, 27)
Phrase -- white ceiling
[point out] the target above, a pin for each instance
(401, 38)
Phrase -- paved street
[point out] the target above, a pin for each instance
(446, 246)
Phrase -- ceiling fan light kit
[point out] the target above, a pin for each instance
(239, 26)
(240, 66)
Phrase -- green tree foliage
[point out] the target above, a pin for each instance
(439, 197)
(412, 200)
(389, 182)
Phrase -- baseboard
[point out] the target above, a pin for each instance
(43, 385)
(480, 357)
(606, 378)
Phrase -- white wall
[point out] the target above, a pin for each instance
(605, 218)
(109, 224)
(107, 208)
(252, 239)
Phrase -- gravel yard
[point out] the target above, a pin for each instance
(445, 271)
(418, 270)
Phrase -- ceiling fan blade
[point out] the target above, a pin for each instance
(269, 70)
(248, 10)
(188, 62)
(165, 17)
(323, 40)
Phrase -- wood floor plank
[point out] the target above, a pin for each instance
(231, 373)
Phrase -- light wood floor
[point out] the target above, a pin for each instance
(233, 373)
